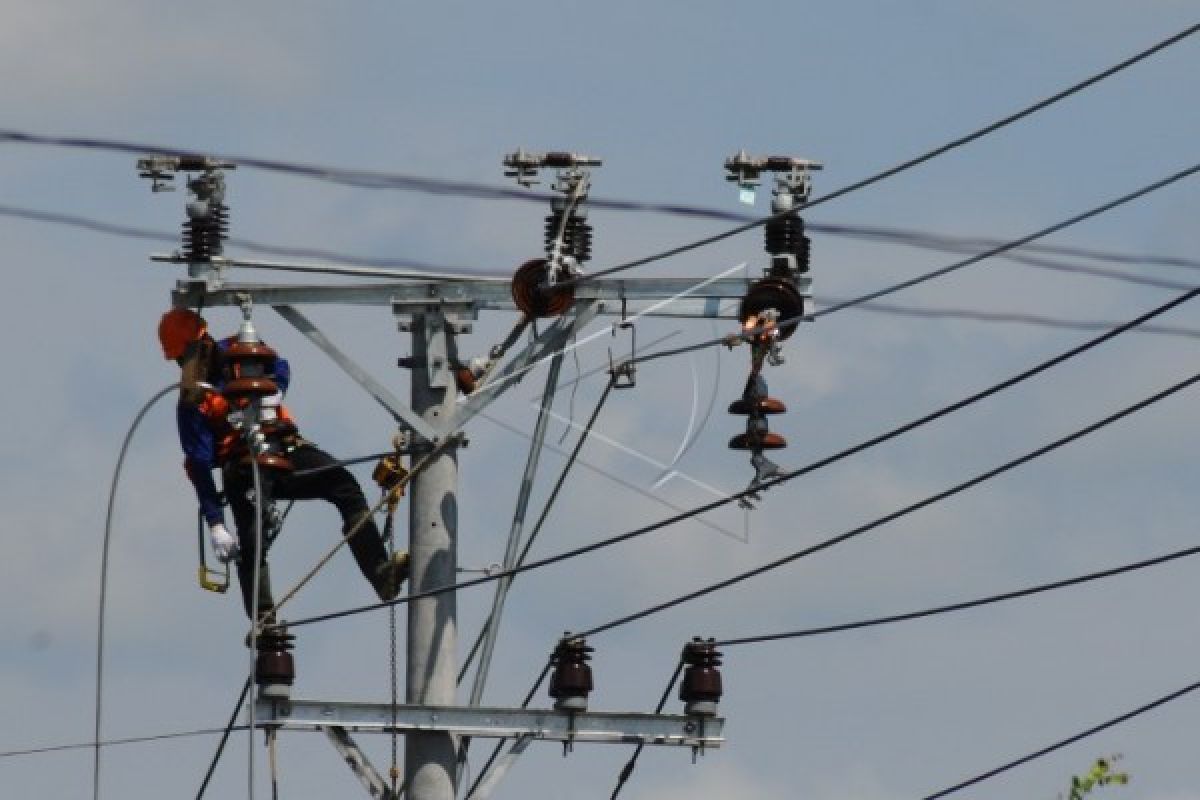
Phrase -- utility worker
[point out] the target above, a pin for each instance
(210, 441)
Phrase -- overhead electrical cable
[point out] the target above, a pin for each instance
(918, 239)
(102, 604)
(1103, 726)
(901, 167)
(963, 606)
(230, 727)
(388, 180)
(157, 737)
(631, 764)
(895, 432)
(1005, 246)
(894, 515)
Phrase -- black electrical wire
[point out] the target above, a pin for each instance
(963, 606)
(230, 727)
(371, 179)
(972, 315)
(891, 517)
(500, 743)
(929, 241)
(102, 604)
(1005, 246)
(546, 506)
(158, 737)
(895, 170)
(631, 764)
(1103, 726)
(880, 439)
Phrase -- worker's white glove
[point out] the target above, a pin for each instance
(224, 543)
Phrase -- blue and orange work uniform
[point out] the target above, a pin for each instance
(210, 442)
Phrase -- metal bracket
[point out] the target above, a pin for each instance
(358, 763)
(673, 730)
(403, 415)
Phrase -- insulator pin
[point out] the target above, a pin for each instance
(571, 681)
(701, 689)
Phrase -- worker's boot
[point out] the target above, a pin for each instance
(390, 576)
(386, 575)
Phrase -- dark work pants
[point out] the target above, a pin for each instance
(335, 485)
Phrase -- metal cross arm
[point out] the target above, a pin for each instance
(481, 722)
(643, 296)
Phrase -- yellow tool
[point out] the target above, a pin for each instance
(214, 580)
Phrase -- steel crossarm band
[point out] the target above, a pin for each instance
(402, 413)
(551, 341)
(614, 297)
(602, 727)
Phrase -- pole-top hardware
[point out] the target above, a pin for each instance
(274, 667)
(745, 170)
(160, 169)
(571, 680)
(701, 688)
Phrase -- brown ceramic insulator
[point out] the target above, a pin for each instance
(702, 678)
(274, 663)
(465, 379)
(572, 676)
(531, 298)
(757, 441)
(764, 405)
(249, 387)
(272, 461)
(781, 295)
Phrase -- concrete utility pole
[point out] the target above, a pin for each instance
(430, 758)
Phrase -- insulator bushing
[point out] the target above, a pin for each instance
(761, 405)
(571, 681)
(532, 296)
(204, 234)
(701, 689)
(778, 294)
(785, 236)
(274, 667)
(576, 235)
(248, 367)
(757, 440)
(578, 239)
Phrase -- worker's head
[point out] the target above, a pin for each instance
(178, 329)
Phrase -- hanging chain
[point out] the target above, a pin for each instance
(390, 539)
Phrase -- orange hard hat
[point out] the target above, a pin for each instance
(178, 328)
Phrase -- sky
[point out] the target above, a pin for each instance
(663, 93)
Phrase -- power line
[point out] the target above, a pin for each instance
(894, 515)
(1159, 184)
(631, 764)
(374, 179)
(919, 239)
(1162, 701)
(903, 166)
(963, 606)
(880, 439)
(57, 748)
